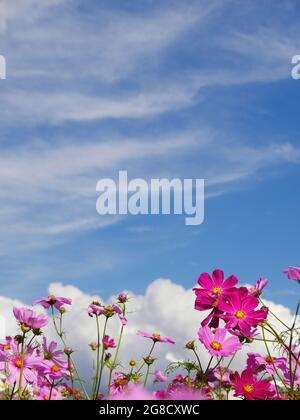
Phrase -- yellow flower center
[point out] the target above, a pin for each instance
(18, 363)
(240, 314)
(216, 345)
(46, 397)
(156, 336)
(248, 388)
(7, 347)
(55, 368)
(216, 290)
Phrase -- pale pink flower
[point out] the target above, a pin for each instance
(30, 319)
(159, 376)
(155, 337)
(216, 343)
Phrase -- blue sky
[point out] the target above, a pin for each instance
(160, 89)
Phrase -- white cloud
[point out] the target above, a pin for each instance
(165, 307)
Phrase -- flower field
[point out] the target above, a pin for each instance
(36, 368)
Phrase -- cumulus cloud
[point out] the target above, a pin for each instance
(165, 307)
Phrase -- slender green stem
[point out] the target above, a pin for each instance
(271, 358)
(102, 360)
(115, 359)
(97, 358)
(231, 360)
(22, 365)
(60, 335)
(150, 352)
(209, 363)
(291, 350)
(274, 315)
(198, 359)
(147, 376)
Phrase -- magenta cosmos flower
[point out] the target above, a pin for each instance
(108, 343)
(258, 287)
(212, 288)
(248, 386)
(215, 284)
(51, 300)
(30, 319)
(239, 308)
(292, 273)
(155, 337)
(217, 344)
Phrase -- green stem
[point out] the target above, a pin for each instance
(22, 366)
(198, 359)
(102, 360)
(143, 364)
(271, 358)
(60, 335)
(147, 376)
(209, 363)
(291, 350)
(231, 360)
(274, 315)
(97, 358)
(115, 359)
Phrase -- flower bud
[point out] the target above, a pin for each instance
(149, 360)
(18, 339)
(190, 345)
(109, 311)
(93, 346)
(107, 357)
(62, 310)
(68, 351)
(122, 298)
(132, 363)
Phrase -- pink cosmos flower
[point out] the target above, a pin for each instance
(120, 384)
(216, 343)
(118, 311)
(45, 394)
(258, 287)
(212, 288)
(257, 363)
(248, 386)
(292, 273)
(155, 337)
(54, 371)
(30, 319)
(216, 285)
(95, 308)
(30, 366)
(159, 376)
(239, 310)
(51, 353)
(133, 393)
(51, 300)
(108, 343)
(7, 345)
